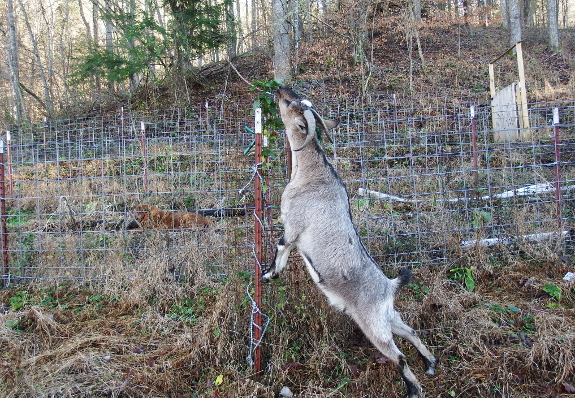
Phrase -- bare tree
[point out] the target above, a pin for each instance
(282, 54)
(295, 14)
(416, 7)
(109, 39)
(47, 102)
(358, 26)
(514, 22)
(18, 107)
(85, 22)
(553, 24)
(134, 77)
(96, 37)
(504, 16)
(233, 42)
(308, 20)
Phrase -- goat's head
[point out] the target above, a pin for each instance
(298, 113)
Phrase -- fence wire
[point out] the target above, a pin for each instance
(417, 197)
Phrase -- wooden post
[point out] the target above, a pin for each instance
(520, 110)
(525, 131)
(492, 80)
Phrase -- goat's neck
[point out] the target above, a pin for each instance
(308, 162)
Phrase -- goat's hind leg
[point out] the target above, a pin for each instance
(280, 261)
(378, 331)
(390, 350)
(401, 329)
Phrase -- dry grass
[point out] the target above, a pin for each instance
(156, 315)
(150, 336)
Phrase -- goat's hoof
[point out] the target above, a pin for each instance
(414, 394)
(267, 276)
(431, 368)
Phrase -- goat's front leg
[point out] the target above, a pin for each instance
(280, 261)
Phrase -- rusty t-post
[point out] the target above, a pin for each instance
(474, 147)
(257, 326)
(558, 196)
(144, 156)
(6, 279)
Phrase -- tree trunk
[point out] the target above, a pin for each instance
(309, 21)
(109, 39)
(553, 24)
(294, 12)
(529, 12)
(282, 67)
(47, 103)
(504, 15)
(96, 37)
(514, 19)
(231, 27)
(254, 23)
(357, 22)
(86, 23)
(465, 10)
(239, 27)
(150, 7)
(18, 108)
(134, 77)
(416, 10)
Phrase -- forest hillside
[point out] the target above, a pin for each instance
(144, 54)
(455, 59)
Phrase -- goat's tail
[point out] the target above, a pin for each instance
(403, 278)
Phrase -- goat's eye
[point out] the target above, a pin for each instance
(301, 126)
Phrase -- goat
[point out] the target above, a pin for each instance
(154, 217)
(317, 222)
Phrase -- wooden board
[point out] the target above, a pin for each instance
(505, 117)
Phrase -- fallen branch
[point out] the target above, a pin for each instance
(535, 189)
(381, 195)
(487, 242)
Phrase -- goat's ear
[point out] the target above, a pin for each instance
(293, 105)
(330, 124)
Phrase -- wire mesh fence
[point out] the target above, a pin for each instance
(428, 184)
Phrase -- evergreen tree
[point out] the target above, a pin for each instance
(141, 44)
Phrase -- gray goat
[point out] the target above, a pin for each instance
(317, 220)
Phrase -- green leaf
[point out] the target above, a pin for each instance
(553, 291)
(465, 275)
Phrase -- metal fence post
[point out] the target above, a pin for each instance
(9, 163)
(474, 146)
(257, 327)
(6, 280)
(558, 197)
(144, 156)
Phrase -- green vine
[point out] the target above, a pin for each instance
(271, 121)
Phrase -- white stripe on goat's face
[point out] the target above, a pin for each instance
(309, 128)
